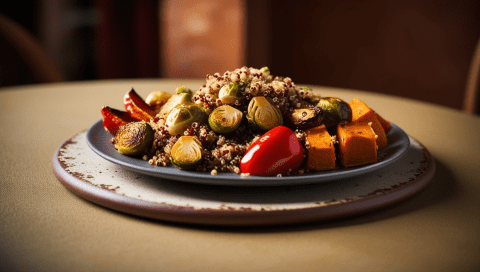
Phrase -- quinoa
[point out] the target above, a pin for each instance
(223, 152)
(220, 152)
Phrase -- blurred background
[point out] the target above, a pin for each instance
(419, 49)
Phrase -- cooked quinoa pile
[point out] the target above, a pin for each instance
(223, 152)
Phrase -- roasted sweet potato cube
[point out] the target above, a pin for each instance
(357, 144)
(361, 113)
(321, 154)
(385, 124)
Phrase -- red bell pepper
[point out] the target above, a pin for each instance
(113, 119)
(277, 152)
(137, 107)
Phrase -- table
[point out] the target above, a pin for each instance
(45, 227)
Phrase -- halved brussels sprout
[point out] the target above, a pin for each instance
(175, 100)
(134, 138)
(306, 117)
(262, 115)
(182, 116)
(229, 93)
(183, 89)
(186, 152)
(335, 110)
(225, 119)
(157, 99)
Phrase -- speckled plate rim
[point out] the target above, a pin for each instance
(243, 217)
(99, 141)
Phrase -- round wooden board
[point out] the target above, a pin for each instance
(86, 174)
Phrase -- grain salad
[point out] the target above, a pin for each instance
(247, 122)
(222, 153)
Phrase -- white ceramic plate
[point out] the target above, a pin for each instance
(113, 186)
(99, 141)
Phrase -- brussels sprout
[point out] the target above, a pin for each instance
(175, 100)
(182, 116)
(262, 115)
(306, 117)
(183, 89)
(265, 70)
(225, 119)
(228, 94)
(157, 99)
(134, 138)
(335, 110)
(186, 152)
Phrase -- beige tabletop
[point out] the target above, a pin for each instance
(45, 227)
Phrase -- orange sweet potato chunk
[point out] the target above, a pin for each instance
(321, 154)
(385, 124)
(361, 113)
(357, 144)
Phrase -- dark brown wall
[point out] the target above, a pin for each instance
(416, 49)
(419, 49)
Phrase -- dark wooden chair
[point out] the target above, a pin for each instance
(471, 103)
(24, 61)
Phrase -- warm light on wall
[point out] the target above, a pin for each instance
(201, 36)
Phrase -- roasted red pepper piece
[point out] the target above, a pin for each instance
(113, 119)
(276, 152)
(137, 107)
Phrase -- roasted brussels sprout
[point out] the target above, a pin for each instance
(229, 93)
(157, 99)
(308, 95)
(183, 89)
(134, 138)
(182, 116)
(186, 153)
(225, 119)
(306, 117)
(262, 115)
(335, 110)
(175, 100)
(265, 70)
